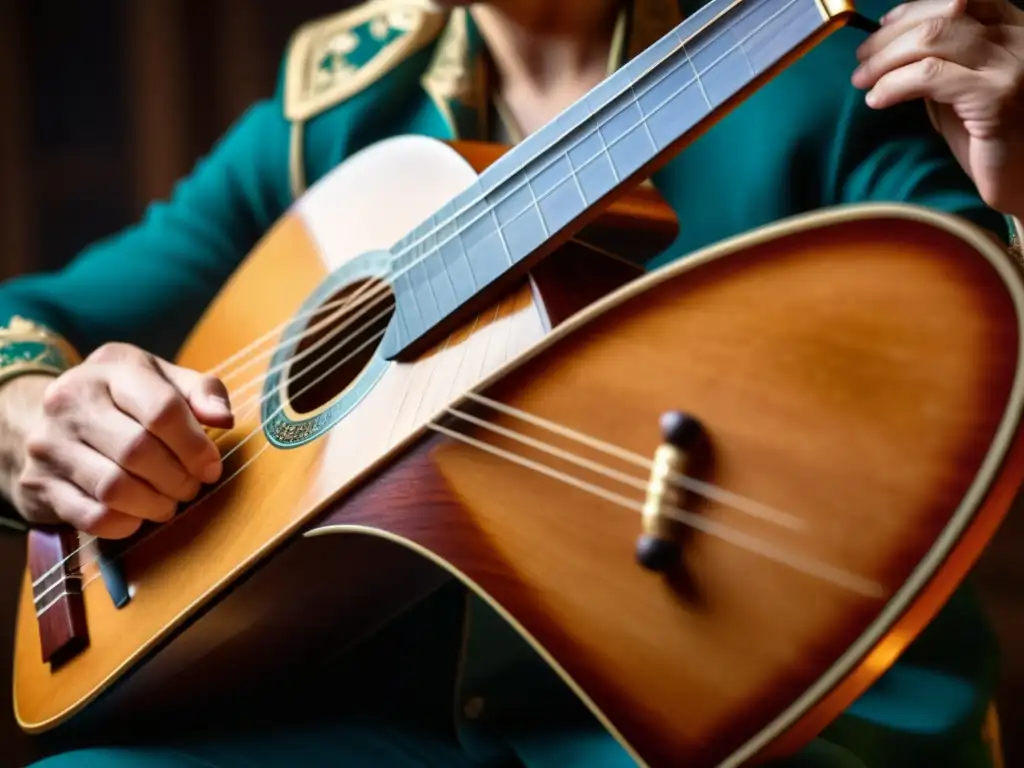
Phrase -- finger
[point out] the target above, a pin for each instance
(103, 480)
(146, 396)
(206, 395)
(904, 18)
(960, 41)
(88, 515)
(132, 447)
(985, 11)
(934, 79)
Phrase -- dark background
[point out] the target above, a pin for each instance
(103, 104)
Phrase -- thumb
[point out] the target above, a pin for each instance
(206, 395)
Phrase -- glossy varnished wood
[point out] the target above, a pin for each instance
(183, 567)
(851, 369)
(854, 376)
(52, 567)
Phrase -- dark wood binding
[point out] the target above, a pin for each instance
(62, 627)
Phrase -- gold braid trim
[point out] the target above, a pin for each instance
(1017, 239)
(26, 347)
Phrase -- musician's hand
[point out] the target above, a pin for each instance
(118, 440)
(966, 59)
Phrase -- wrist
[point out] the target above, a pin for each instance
(21, 411)
(31, 356)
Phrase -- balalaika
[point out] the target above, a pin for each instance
(718, 499)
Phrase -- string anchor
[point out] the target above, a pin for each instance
(659, 546)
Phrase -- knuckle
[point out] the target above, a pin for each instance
(110, 487)
(40, 447)
(193, 487)
(165, 411)
(165, 510)
(135, 450)
(31, 482)
(59, 396)
(188, 489)
(933, 31)
(931, 67)
(89, 517)
(1011, 85)
(111, 352)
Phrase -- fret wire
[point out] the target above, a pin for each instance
(512, 178)
(447, 272)
(536, 204)
(674, 94)
(425, 259)
(732, 5)
(661, 106)
(559, 149)
(576, 178)
(696, 75)
(735, 46)
(465, 254)
(414, 283)
(497, 229)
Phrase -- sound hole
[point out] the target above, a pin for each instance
(338, 343)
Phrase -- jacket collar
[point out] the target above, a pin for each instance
(458, 81)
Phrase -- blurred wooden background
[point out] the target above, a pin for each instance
(104, 104)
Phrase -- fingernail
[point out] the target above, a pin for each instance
(892, 15)
(871, 98)
(211, 472)
(221, 404)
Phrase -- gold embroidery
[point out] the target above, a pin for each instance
(332, 59)
(26, 347)
(452, 77)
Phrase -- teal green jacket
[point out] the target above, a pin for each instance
(804, 141)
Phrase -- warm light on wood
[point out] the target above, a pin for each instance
(858, 370)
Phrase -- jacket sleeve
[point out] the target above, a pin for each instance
(149, 284)
(895, 155)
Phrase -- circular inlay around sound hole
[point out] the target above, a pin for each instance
(337, 344)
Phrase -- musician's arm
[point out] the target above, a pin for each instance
(147, 285)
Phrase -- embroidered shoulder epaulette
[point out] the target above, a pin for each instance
(331, 59)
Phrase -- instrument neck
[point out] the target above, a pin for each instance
(548, 186)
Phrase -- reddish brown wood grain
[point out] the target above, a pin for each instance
(51, 563)
(853, 369)
(828, 394)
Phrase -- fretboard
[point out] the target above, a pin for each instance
(539, 192)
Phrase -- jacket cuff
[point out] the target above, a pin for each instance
(27, 347)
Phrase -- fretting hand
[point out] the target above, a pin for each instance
(965, 58)
(116, 441)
